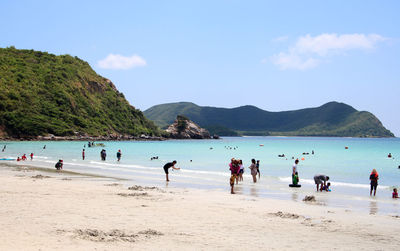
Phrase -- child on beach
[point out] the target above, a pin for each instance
(59, 165)
(295, 179)
(395, 195)
(83, 154)
(31, 155)
(374, 181)
(258, 168)
(327, 187)
(235, 169)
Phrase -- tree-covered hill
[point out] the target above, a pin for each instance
(41, 93)
(331, 119)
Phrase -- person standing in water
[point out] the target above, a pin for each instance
(294, 169)
(253, 168)
(374, 181)
(83, 154)
(241, 171)
(168, 166)
(119, 154)
(31, 155)
(103, 155)
(258, 168)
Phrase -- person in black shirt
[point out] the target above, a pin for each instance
(169, 165)
(374, 181)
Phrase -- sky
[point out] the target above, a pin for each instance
(276, 55)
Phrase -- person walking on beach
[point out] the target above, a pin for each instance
(83, 154)
(374, 181)
(320, 180)
(119, 154)
(235, 169)
(253, 168)
(31, 155)
(169, 165)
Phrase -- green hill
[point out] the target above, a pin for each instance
(331, 119)
(41, 93)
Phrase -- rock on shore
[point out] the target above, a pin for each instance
(184, 128)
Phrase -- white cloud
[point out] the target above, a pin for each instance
(308, 52)
(119, 62)
(293, 61)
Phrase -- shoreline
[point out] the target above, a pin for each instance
(63, 211)
(275, 191)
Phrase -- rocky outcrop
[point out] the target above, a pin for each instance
(184, 128)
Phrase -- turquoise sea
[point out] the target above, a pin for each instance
(204, 165)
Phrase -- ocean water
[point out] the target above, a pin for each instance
(204, 165)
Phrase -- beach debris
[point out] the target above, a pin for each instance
(101, 236)
(286, 215)
(112, 184)
(309, 198)
(39, 176)
(149, 232)
(140, 188)
(133, 194)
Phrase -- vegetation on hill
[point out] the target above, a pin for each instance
(41, 93)
(331, 119)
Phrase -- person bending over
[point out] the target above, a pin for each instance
(320, 180)
(168, 166)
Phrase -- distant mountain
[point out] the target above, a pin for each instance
(41, 93)
(331, 119)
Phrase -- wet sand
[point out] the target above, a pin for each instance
(63, 211)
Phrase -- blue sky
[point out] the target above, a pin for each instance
(277, 55)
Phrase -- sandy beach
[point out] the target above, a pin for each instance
(60, 211)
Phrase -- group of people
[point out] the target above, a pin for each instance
(23, 158)
(237, 169)
(374, 177)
